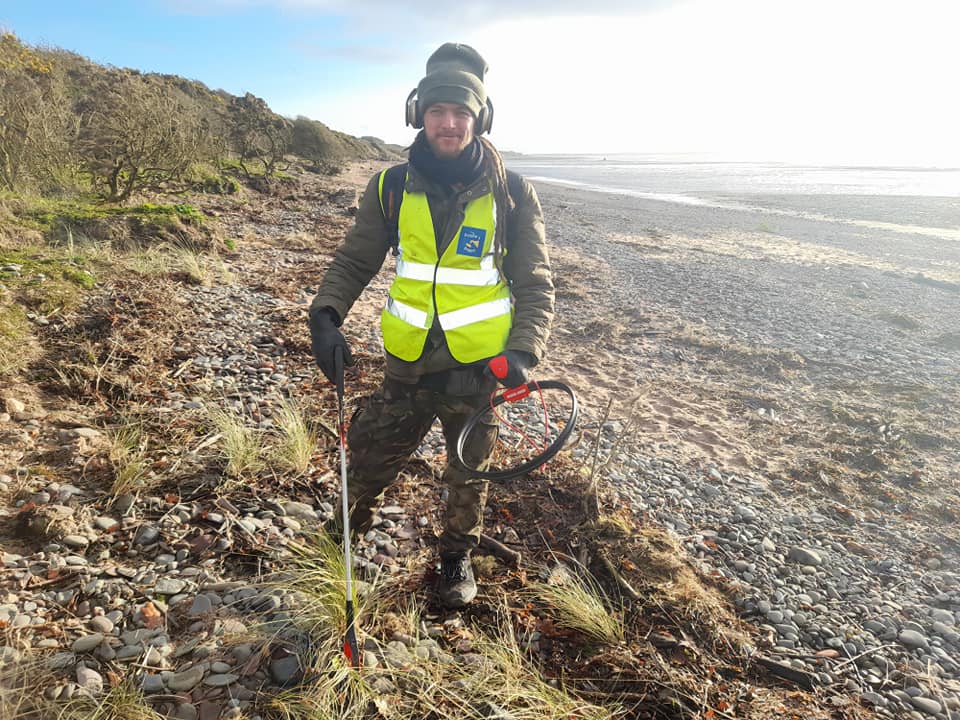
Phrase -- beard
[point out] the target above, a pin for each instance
(447, 145)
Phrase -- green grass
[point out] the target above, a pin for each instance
(46, 214)
(180, 212)
(15, 335)
(47, 283)
(79, 277)
(214, 183)
(85, 220)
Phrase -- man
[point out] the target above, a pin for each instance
(472, 282)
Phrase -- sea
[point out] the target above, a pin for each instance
(910, 196)
(680, 180)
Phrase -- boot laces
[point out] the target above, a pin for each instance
(453, 569)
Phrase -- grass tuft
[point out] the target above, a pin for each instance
(193, 264)
(129, 459)
(123, 702)
(577, 602)
(317, 575)
(338, 692)
(297, 441)
(23, 677)
(503, 680)
(15, 337)
(241, 446)
(165, 260)
(201, 268)
(152, 261)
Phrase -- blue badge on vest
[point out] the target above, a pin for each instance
(471, 241)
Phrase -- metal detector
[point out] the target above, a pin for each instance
(517, 451)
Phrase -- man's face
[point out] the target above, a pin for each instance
(449, 129)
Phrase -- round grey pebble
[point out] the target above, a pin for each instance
(101, 624)
(300, 510)
(87, 643)
(186, 680)
(151, 684)
(913, 639)
(201, 606)
(169, 586)
(285, 669)
(75, 541)
(89, 680)
(220, 679)
(926, 705)
(804, 556)
(147, 535)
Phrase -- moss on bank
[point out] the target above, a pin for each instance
(84, 221)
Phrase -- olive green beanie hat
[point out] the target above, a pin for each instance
(454, 75)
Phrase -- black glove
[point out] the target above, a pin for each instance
(325, 337)
(518, 367)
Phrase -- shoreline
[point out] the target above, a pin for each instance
(935, 216)
(826, 313)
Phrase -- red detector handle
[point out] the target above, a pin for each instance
(498, 366)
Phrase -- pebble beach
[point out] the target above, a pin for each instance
(762, 344)
(777, 392)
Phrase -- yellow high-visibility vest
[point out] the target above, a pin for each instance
(463, 289)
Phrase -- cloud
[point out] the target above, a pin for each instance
(748, 78)
(425, 16)
(373, 54)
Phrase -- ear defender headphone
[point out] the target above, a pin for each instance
(414, 115)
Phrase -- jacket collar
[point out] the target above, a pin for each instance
(417, 182)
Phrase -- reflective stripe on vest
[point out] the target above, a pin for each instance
(449, 276)
(462, 289)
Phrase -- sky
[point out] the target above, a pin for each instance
(819, 81)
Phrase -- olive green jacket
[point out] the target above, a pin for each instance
(526, 267)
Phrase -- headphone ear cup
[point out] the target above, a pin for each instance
(413, 110)
(485, 119)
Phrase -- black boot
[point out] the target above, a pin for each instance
(457, 586)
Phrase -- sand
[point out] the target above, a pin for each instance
(822, 348)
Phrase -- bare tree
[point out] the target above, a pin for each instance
(137, 135)
(257, 133)
(36, 123)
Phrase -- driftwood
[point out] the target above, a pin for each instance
(615, 574)
(804, 679)
(502, 552)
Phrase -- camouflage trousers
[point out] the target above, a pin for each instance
(386, 431)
